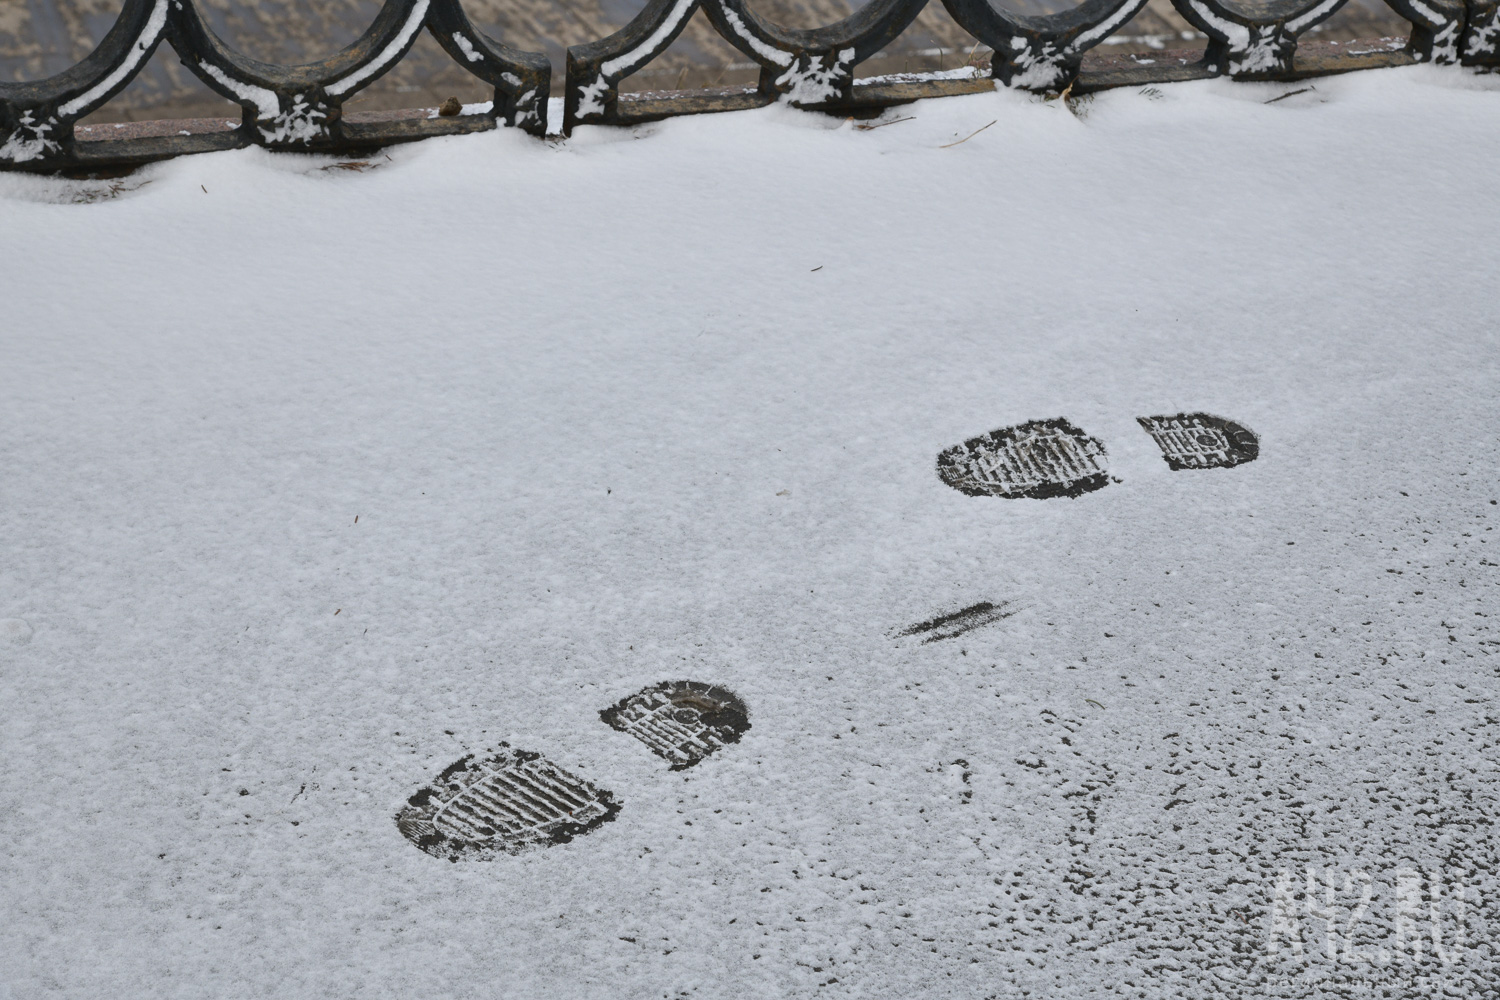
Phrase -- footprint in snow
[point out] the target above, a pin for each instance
(1035, 460)
(681, 721)
(512, 800)
(1201, 441)
(504, 803)
(1042, 459)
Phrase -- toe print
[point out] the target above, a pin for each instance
(503, 804)
(682, 721)
(1201, 441)
(1035, 460)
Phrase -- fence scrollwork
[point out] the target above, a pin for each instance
(301, 107)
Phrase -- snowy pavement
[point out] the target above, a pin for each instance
(315, 482)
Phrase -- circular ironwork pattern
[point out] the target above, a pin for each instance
(285, 107)
(1254, 38)
(1041, 52)
(301, 107)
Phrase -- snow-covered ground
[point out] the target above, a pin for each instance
(314, 481)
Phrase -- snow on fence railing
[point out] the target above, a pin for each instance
(301, 107)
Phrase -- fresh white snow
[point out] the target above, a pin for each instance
(664, 403)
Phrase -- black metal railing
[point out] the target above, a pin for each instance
(302, 107)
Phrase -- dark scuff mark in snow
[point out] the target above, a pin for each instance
(957, 623)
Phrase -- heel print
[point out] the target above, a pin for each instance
(1201, 441)
(681, 721)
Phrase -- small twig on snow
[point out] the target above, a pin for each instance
(967, 137)
(1289, 93)
(865, 128)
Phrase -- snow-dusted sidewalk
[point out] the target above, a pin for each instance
(314, 481)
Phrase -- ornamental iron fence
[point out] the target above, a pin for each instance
(302, 107)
